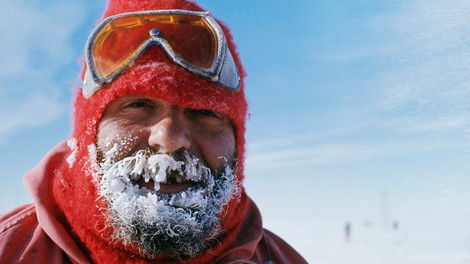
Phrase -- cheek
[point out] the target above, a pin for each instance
(217, 148)
(126, 139)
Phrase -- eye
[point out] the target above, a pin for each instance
(138, 104)
(207, 113)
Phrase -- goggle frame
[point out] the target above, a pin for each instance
(223, 72)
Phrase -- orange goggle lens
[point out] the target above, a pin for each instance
(189, 37)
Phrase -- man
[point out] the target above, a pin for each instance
(153, 170)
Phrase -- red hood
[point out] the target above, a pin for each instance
(53, 212)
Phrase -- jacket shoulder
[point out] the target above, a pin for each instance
(22, 240)
(20, 218)
(279, 250)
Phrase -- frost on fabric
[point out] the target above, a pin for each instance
(72, 144)
(93, 160)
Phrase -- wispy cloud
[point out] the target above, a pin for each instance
(312, 153)
(37, 45)
(427, 43)
(365, 143)
(418, 54)
(34, 110)
(316, 154)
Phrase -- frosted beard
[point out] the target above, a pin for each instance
(181, 224)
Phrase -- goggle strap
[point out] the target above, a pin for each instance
(89, 84)
(229, 76)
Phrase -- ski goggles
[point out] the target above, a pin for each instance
(191, 39)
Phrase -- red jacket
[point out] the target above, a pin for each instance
(34, 234)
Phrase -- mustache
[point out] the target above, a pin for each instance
(157, 167)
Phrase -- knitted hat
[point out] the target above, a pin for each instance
(153, 75)
(170, 82)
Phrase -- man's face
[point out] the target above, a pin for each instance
(138, 122)
(166, 172)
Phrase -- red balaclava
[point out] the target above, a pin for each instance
(75, 190)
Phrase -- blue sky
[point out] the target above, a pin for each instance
(359, 111)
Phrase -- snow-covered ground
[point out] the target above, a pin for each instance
(395, 227)
(324, 242)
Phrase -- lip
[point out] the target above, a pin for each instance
(166, 188)
(174, 187)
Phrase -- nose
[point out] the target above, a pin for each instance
(169, 134)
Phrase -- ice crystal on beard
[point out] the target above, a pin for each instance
(179, 224)
(93, 162)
